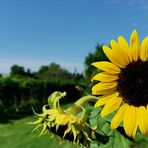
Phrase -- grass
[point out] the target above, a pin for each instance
(17, 134)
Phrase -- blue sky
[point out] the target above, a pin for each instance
(38, 32)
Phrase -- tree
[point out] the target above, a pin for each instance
(94, 57)
(53, 71)
(17, 71)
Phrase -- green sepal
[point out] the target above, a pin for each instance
(53, 99)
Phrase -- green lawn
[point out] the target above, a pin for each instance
(17, 134)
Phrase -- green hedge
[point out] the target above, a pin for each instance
(17, 95)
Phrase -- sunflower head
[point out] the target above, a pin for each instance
(67, 124)
(123, 84)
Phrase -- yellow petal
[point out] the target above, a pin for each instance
(102, 92)
(101, 87)
(106, 98)
(143, 120)
(121, 54)
(134, 45)
(144, 49)
(130, 121)
(118, 118)
(111, 106)
(107, 66)
(125, 47)
(113, 57)
(105, 77)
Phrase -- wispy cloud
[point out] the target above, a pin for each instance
(142, 4)
(112, 1)
(23, 1)
(34, 65)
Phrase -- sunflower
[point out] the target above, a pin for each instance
(67, 123)
(123, 84)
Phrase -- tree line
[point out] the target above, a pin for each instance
(22, 88)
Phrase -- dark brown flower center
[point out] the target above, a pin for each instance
(133, 83)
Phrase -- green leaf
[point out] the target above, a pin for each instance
(140, 141)
(53, 99)
(117, 140)
(105, 137)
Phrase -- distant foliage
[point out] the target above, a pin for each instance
(17, 95)
(53, 71)
(98, 55)
(19, 71)
(23, 88)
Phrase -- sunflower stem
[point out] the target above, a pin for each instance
(77, 105)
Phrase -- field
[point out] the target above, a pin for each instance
(17, 134)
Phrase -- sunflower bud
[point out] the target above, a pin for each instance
(67, 123)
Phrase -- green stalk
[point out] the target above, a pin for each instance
(77, 105)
